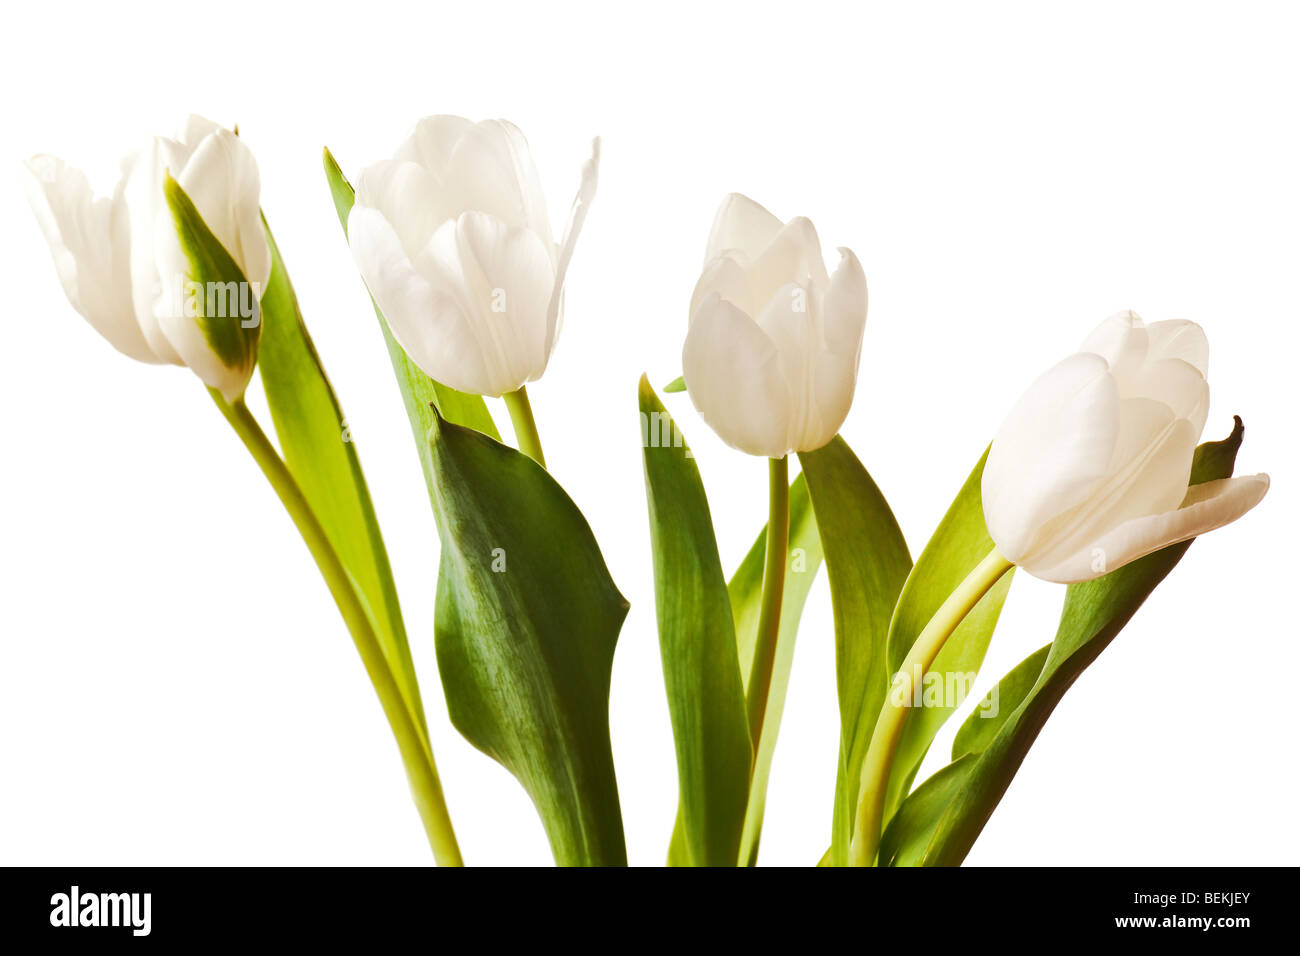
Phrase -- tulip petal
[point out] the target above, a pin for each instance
(90, 246)
(743, 225)
(1121, 340)
(1179, 339)
(222, 180)
(491, 170)
(1207, 506)
(793, 256)
(406, 196)
(1051, 452)
(430, 325)
(1180, 386)
(577, 216)
(734, 378)
(726, 277)
(1148, 475)
(844, 310)
(431, 143)
(509, 287)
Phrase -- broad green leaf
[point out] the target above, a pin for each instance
(959, 543)
(526, 620)
(318, 448)
(420, 393)
(697, 641)
(232, 337)
(745, 591)
(1094, 612)
(867, 562)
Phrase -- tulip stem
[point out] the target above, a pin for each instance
(769, 615)
(412, 739)
(888, 731)
(521, 416)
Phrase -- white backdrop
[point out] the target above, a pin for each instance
(175, 684)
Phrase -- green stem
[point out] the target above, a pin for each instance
(417, 754)
(769, 615)
(893, 714)
(521, 417)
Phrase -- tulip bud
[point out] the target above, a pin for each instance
(771, 357)
(453, 240)
(172, 266)
(1090, 469)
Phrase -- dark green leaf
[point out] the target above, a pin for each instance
(959, 543)
(318, 448)
(867, 562)
(1095, 611)
(420, 393)
(911, 828)
(998, 705)
(698, 644)
(526, 621)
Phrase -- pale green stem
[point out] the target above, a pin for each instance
(893, 714)
(769, 614)
(414, 746)
(521, 417)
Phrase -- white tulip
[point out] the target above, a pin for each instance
(1090, 469)
(452, 238)
(121, 260)
(771, 357)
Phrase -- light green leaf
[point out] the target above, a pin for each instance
(697, 641)
(867, 562)
(1094, 612)
(526, 620)
(233, 338)
(745, 591)
(959, 543)
(909, 832)
(982, 726)
(318, 448)
(676, 385)
(420, 393)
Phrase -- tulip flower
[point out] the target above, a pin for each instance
(1089, 471)
(771, 357)
(453, 240)
(128, 262)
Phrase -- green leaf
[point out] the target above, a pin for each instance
(420, 393)
(959, 543)
(1094, 612)
(982, 726)
(697, 641)
(867, 562)
(318, 448)
(676, 385)
(526, 620)
(232, 337)
(909, 832)
(745, 591)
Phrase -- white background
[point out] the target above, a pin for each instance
(175, 684)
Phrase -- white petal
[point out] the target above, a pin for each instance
(193, 130)
(491, 170)
(1122, 341)
(431, 143)
(1180, 339)
(577, 216)
(726, 277)
(144, 201)
(1178, 385)
(793, 256)
(734, 378)
(428, 323)
(834, 380)
(406, 196)
(510, 289)
(844, 315)
(90, 245)
(222, 180)
(741, 224)
(1207, 506)
(1051, 452)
